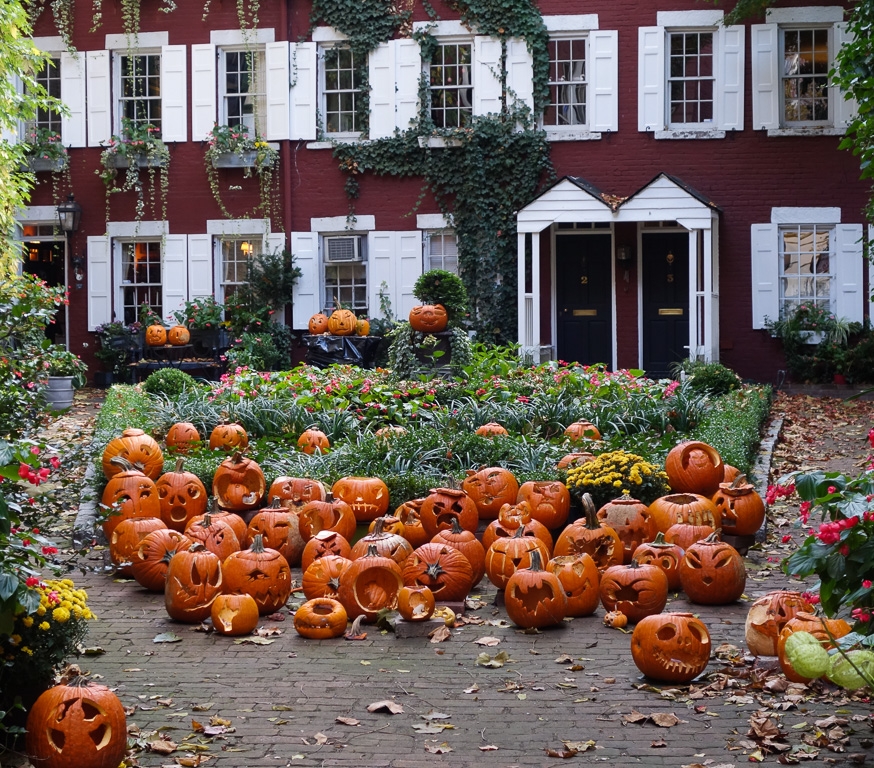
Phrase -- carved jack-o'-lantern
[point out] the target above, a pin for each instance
(261, 572)
(324, 543)
(182, 436)
(156, 335)
(409, 514)
(535, 597)
(579, 578)
(318, 324)
(429, 318)
(513, 516)
(575, 459)
(343, 322)
(549, 500)
(312, 441)
(767, 617)
(415, 603)
(467, 543)
(150, 562)
(671, 647)
(665, 555)
(228, 437)
(178, 335)
(507, 554)
(215, 534)
(582, 430)
(442, 505)
(369, 585)
(78, 724)
(181, 495)
(322, 576)
(634, 589)
(600, 542)
(694, 467)
(194, 580)
(741, 508)
(631, 520)
(126, 540)
(490, 489)
(320, 618)
(492, 429)
(712, 572)
(238, 484)
(444, 570)
(368, 496)
(329, 514)
(690, 508)
(296, 491)
(684, 535)
(274, 524)
(129, 494)
(136, 447)
(234, 614)
(387, 544)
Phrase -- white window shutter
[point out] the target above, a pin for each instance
(845, 110)
(174, 93)
(381, 72)
(381, 268)
(305, 249)
(764, 259)
(203, 91)
(200, 266)
(849, 272)
(304, 75)
(275, 242)
(174, 274)
(409, 268)
(766, 76)
(73, 95)
(604, 80)
(651, 79)
(408, 70)
(99, 282)
(98, 98)
(730, 78)
(520, 73)
(486, 75)
(276, 56)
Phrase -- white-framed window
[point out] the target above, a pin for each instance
(233, 263)
(807, 256)
(141, 278)
(568, 83)
(242, 88)
(344, 272)
(451, 84)
(690, 76)
(138, 89)
(792, 55)
(340, 90)
(49, 77)
(441, 250)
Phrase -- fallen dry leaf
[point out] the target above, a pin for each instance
(348, 721)
(488, 641)
(162, 746)
(434, 715)
(562, 753)
(496, 661)
(386, 705)
(440, 634)
(658, 743)
(488, 748)
(438, 749)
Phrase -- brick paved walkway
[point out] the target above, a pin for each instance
(572, 684)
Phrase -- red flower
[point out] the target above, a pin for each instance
(32, 581)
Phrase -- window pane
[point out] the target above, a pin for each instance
(340, 87)
(451, 95)
(690, 77)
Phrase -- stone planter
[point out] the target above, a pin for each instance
(59, 392)
(141, 161)
(239, 160)
(45, 164)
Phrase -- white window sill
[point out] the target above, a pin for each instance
(810, 130)
(333, 140)
(686, 133)
(572, 135)
(438, 142)
(320, 145)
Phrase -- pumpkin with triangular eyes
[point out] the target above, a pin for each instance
(490, 489)
(507, 554)
(194, 581)
(324, 543)
(443, 505)
(550, 501)
(182, 436)
(441, 568)
(229, 437)
(671, 647)
(261, 572)
(156, 335)
(712, 572)
(579, 577)
(535, 597)
(128, 494)
(343, 322)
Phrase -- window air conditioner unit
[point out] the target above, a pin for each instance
(343, 249)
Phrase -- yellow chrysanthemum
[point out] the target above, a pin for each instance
(41, 611)
(45, 626)
(61, 615)
(27, 621)
(27, 650)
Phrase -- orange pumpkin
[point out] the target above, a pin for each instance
(634, 589)
(324, 543)
(575, 459)
(128, 494)
(234, 614)
(215, 535)
(580, 579)
(182, 436)
(684, 535)
(238, 525)
(694, 467)
(181, 495)
(490, 489)
(409, 514)
(582, 430)
(535, 597)
(671, 647)
(362, 327)
(391, 545)
(156, 335)
(441, 505)
(821, 628)
(342, 322)
(318, 324)
(665, 555)
(368, 496)
(467, 543)
(229, 437)
(296, 491)
(126, 540)
(441, 568)
(600, 542)
(712, 572)
(274, 525)
(149, 563)
(320, 618)
(312, 440)
(415, 603)
(507, 554)
(238, 484)
(549, 500)
(631, 520)
(369, 585)
(514, 516)
(767, 617)
(194, 581)
(429, 318)
(178, 335)
(492, 429)
(261, 572)
(683, 508)
(138, 448)
(322, 576)
(328, 515)
(741, 508)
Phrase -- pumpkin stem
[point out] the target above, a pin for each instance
(378, 526)
(434, 571)
(536, 561)
(372, 551)
(276, 502)
(257, 544)
(519, 532)
(714, 537)
(633, 563)
(589, 508)
(738, 481)
(456, 527)
(329, 497)
(660, 541)
(180, 462)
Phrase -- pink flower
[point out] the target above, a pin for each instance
(871, 437)
(867, 583)
(50, 550)
(811, 598)
(53, 597)
(55, 462)
(804, 511)
(831, 489)
(34, 449)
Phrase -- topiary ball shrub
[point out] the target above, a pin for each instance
(169, 382)
(438, 286)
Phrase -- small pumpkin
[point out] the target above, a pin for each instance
(615, 620)
(342, 322)
(238, 484)
(408, 514)
(182, 436)
(368, 496)
(318, 324)
(694, 467)
(138, 448)
(634, 589)
(671, 647)
(574, 459)
(194, 581)
(229, 437)
(490, 489)
(821, 628)
(178, 335)
(429, 318)
(712, 572)
(181, 496)
(442, 505)
(492, 429)
(580, 579)
(415, 603)
(320, 618)
(665, 555)
(78, 723)
(149, 563)
(362, 327)
(313, 440)
(535, 597)
(600, 542)
(234, 614)
(550, 501)
(582, 430)
(441, 568)
(369, 585)
(156, 335)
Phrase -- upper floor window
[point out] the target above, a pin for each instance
(690, 77)
(139, 91)
(242, 79)
(449, 75)
(441, 251)
(141, 278)
(806, 275)
(341, 91)
(806, 64)
(49, 77)
(567, 83)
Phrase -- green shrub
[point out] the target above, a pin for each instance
(265, 350)
(712, 378)
(438, 286)
(169, 382)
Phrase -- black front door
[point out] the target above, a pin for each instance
(45, 260)
(665, 301)
(584, 298)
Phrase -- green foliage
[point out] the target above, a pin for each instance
(438, 286)
(260, 351)
(169, 382)
(745, 9)
(710, 378)
(200, 313)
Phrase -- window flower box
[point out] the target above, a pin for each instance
(119, 160)
(46, 164)
(438, 142)
(248, 159)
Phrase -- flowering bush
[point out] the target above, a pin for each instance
(235, 139)
(57, 361)
(841, 550)
(45, 144)
(203, 312)
(615, 473)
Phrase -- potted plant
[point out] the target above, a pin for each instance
(45, 151)
(66, 371)
(116, 344)
(231, 146)
(203, 317)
